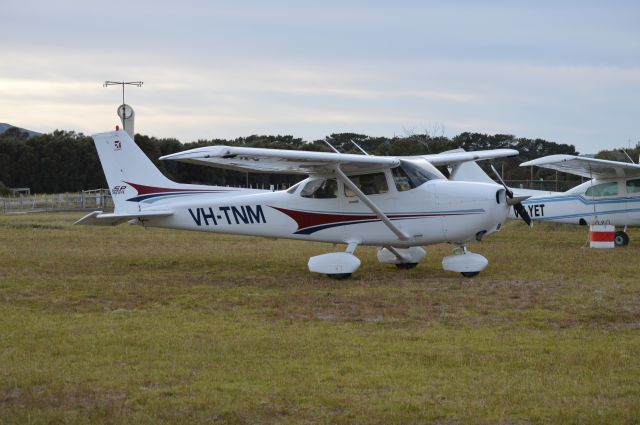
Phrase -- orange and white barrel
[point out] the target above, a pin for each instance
(602, 236)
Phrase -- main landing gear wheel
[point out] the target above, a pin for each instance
(621, 238)
(406, 266)
(340, 276)
(469, 274)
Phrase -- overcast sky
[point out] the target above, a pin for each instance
(568, 72)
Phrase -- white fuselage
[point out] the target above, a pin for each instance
(436, 211)
(614, 201)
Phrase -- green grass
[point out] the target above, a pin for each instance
(125, 325)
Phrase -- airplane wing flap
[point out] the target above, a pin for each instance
(98, 218)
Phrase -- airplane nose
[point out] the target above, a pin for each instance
(477, 207)
(497, 207)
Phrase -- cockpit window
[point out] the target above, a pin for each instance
(603, 189)
(413, 173)
(369, 184)
(633, 186)
(320, 189)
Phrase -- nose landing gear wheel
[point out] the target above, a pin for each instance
(621, 238)
(467, 263)
(340, 276)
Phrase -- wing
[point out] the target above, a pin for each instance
(281, 161)
(586, 167)
(458, 155)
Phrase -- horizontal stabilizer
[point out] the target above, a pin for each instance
(98, 218)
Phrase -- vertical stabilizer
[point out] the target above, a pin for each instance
(469, 171)
(127, 169)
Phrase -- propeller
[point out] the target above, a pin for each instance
(515, 201)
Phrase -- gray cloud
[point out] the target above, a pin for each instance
(565, 71)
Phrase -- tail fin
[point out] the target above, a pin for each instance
(469, 171)
(127, 170)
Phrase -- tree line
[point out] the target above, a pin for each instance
(65, 161)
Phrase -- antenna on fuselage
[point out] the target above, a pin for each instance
(359, 148)
(356, 145)
(331, 146)
(625, 152)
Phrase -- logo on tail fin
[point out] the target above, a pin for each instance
(118, 190)
(117, 145)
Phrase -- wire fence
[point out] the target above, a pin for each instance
(99, 199)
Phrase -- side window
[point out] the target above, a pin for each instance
(369, 184)
(603, 189)
(320, 189)
(633, 186)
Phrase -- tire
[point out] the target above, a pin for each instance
(621, 238)
(340, 276)
(469, 274)
(406, 266)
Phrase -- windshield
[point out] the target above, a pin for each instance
(414, 172)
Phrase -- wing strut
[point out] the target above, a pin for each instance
(377, 211)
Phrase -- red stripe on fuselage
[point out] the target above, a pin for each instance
(306, 219)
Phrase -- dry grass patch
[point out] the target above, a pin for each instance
(127, 325)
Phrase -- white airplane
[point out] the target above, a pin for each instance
(611, 195)
(395, 203)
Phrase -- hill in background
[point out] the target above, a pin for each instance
(4, 127)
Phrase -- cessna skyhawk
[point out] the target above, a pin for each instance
(611, 195)
(395, 203)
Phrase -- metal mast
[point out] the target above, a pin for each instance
(122, 83)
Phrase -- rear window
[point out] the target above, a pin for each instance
(633, 186)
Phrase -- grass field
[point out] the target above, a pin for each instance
(125, 326)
